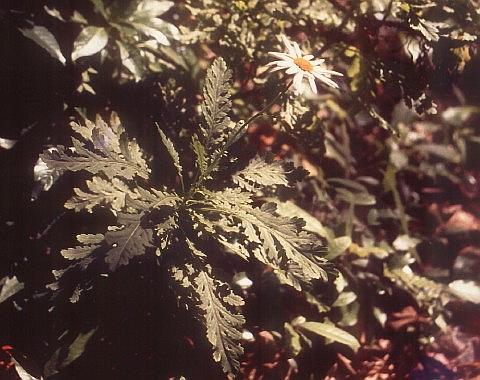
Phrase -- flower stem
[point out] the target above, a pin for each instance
(268, 105)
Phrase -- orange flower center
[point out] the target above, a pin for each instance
(303, 64)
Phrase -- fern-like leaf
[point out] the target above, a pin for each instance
(144, 200)
(260, 173)
(277, 241)
(101, 192)
(426, 291)
(216, 102)
(199, 151)
(89, 243)
(127, 242)
(172, 151)
(110, 152)
(222, 325)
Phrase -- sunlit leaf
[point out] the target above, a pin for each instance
(9, 287)
(90, 41)
(59, 361)
(329, 331)
(7, 143)
(290, 209)
(337, 246)
(222, 325)
(22, 372)
(405, 242)
(44, 38)
(171, 151)
(293, 339)
(466, 290)
(260, 173)
(345, 298)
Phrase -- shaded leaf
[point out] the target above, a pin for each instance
(74, 351)
(223, 327)
(127, 242)
(200, 153)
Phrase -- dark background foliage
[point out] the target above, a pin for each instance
(143, 334)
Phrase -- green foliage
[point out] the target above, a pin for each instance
(91, 40)
(221, 324)
(109, 152)
(58, 361)
(133, 32)
(329, 331)
(44, 38)
(227, 216)
(391, 156)
(260, 173)
(216, 103)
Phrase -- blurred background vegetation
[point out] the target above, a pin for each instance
(393, 187)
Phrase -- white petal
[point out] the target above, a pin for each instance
(288, 45)
(297, 81)
(283, 56)
(277, 69)
(319, 74)
(330, 83)
(286, 63)
(317, 62)
(325, 80)
(280, 63)
(313, 86)
(308, 57)
(298, 51)
(293, 70)
(301, 88)
(326, 72)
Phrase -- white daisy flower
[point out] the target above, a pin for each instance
(303, 67)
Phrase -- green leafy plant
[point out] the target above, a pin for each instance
(189, 228)
(205, 211)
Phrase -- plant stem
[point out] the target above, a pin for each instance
(401, 210)
(349, 221)
(268, 105)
